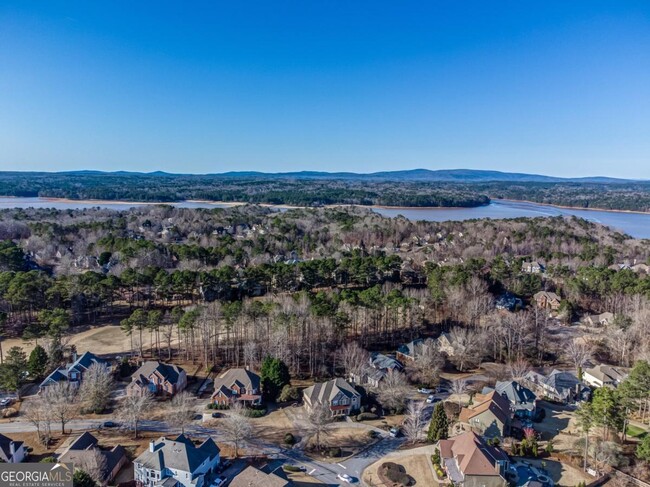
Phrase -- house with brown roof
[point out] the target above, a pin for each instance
(85, 453)
(157, 378)
(341, 397)
(491, 417)
(237, 385)
(254, 477)
(547, 300)
(470, 462)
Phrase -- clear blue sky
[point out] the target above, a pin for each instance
(553, 87)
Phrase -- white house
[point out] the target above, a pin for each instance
(603, 375)
(176, 463)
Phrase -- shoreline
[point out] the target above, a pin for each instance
(230, 204)
(577, 208)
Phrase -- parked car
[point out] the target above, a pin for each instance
(394, 432)
(109, 424)
(216, 415)
(218, 482)
(344, 477)
(6, 402)
(433, 399)
(424, 390)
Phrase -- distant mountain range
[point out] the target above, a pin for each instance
(439, 175)
(442, 175)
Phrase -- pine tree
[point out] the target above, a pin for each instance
(82, 479)
(13, 370)
(37, 363)
(439, 426)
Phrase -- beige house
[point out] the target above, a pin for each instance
(491, 417)
(157, 378)
(470, 462)
(341, 397)
(603, 319)
(603, 376)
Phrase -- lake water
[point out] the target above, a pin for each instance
(634, 224)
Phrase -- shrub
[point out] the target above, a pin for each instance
(367, 417)
(291, 468)
(289, 439)
(289, 393)
(393, 473)
(9, 413)
(373, 434)
(334, 452)
(255, 413)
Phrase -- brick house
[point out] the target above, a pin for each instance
(157, 378)
(341, 397)
(237, 385)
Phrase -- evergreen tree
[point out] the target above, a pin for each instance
(439, 426)
(274, 376)
(82, 479)
(608, 410)
(37, 363)
(13, 370)
(643, 449)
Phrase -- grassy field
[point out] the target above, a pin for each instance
(634, 431)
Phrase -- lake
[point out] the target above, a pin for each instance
(634, 224)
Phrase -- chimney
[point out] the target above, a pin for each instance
(12, 448)
(152, 446)
(74, 357)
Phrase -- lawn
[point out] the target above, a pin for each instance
(637, 432)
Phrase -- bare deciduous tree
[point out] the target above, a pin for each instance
(94, 463)
(61, 399)
(459, 387)
(38, 413)
(393, 391)
(182, 409)
(468, 347)
(133, 409)
(518, 369)
(237, 427)
(414, 422)
(319, 418)
(578, 353)
(96, 388)
(353, 358)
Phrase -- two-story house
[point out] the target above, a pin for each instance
(11, 451)
(491, 417)
(74, 371)
(547, 300)
(559, 385)
(237, 385)
(523, 402)
(379, 365)
(176, 463)
(471, 462)
(341, 397)
(157, 378)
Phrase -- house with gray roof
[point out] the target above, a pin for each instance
(85, 453)
(603, 376)
(11, 451)
(559, 385)
(176, 462)
(237, 385)
(379, 365)
(523, 402)
(341, 397)
(157, 378)
(74, 371)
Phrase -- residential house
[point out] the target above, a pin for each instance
(74, 371)
(547, 300)
(508, 301)
(558, 386)
(341, 397)
(523, 402)
(470, 462)
(237, 385)
(157, 378)
(603, 376)
(491, 417)
(533, 267)
(84, 452)
(379, 365)
(11, 451)
(254, 477)
(602, 319)
(411, 350)
(176, 463)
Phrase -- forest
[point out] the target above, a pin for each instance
(230, 286)
(321, 191)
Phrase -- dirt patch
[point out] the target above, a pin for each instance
(38, 451)
(349, 440)
(273, 426)
(301, 479)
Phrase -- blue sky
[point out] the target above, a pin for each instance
(560, 88)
